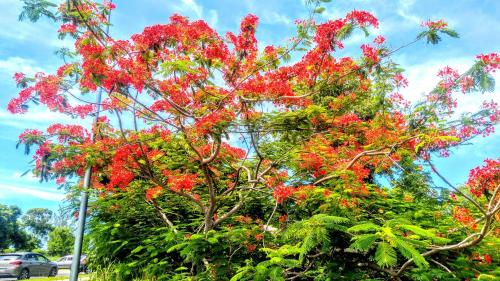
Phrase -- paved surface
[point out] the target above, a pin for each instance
(61, 272)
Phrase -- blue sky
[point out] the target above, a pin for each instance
(29, 48)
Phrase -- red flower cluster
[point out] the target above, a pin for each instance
(491, 61)
(29, 134)
(245, 44)
(437, 25)
(18, 77)
(362, 18)
(153, 192)
(122, 166)
(326, 33)
(370, 53)
(379, 40)
(483, 178)
(67, 28)
(207, 123)
(108, 5)
(67, 132)
(282, 192)
(311, 161)
(463, 216)
(181, 183)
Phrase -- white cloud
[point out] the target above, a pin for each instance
(193, 6)
(11, 65)
(404, 10)
(212, 18)
(35, 118)
(331, 14)
(423, 78)
(11, 190)
(275, 18)
(28, 177)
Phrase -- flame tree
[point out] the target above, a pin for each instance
(260, 166)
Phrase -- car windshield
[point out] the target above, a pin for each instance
(9, 257)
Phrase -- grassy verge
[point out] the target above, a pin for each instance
(60, 278)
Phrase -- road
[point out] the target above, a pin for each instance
(61, 272)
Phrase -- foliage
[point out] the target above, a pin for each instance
(39, 221)
(61, 240)
(12, 233)
(214, 160)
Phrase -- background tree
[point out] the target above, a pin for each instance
(39, 221)
(12, 234)
(61, 240)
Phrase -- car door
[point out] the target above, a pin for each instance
(32, 265)
(67, 263)
(44, 265)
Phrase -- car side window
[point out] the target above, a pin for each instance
(30, 257)
(41, 258)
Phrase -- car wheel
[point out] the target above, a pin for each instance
(25, 274)
(53, 272)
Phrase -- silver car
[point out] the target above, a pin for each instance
(65, 262)
(24, 265)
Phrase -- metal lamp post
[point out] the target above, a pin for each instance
(82, 215)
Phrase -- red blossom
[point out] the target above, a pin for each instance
(122, 166)
(18, 77)
(362, 18)
(207, 123)
(60, 180)
(311, 161)
(108, 5)
(491, 61)
(484, 177)
(66, 132)
(370, 53)
(466, 83)
(453, 196)
(379, 40)
(487, 258)
(67, 28)
(463, 216)
(282, 192)
(153, 192)
(180, 183)
(29, 133)
(400, 80)
(438, 25)
(326, 33)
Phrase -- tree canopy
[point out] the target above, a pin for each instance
(215, 160)
(12, 232)
(39, 221)
(61, 240)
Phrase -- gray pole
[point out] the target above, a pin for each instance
(82, 215)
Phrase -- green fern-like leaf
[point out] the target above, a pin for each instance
(450, 32)
(409, 252)
(385, 256)
(365, 227)
(424, 233)
(418, 230)
(364, 242)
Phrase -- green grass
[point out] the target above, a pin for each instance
(59, 278)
